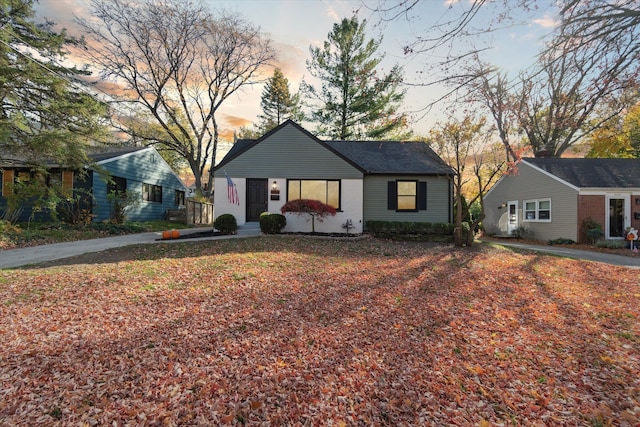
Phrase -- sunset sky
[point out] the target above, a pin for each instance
(295, 25)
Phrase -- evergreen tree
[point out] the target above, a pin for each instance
(278, 104)
(354, 101)
(43, 112)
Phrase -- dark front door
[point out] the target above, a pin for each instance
(256, 198)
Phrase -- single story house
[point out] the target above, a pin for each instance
(363, 180)
(140, 170)
(552, 197)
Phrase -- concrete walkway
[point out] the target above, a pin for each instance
(595, 256)
(36, 254)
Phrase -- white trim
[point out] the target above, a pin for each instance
(627, 213)
(607, 191)
(537, 210)
(494, 185)
(125, 155)
(511, 227)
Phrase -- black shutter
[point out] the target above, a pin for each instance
(422, 196)
(392, 196)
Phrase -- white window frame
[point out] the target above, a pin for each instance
(537, 210)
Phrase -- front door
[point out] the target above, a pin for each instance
(618, 218)
(256, 198)
(512, 217)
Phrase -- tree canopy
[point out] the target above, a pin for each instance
(620, 137)
(175, 63)
(588, 60)
(278, 103)
(45, 111)
(354, 100)
(463, 144)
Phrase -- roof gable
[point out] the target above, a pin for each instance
(370, 157)
(106, 154)
(591, 173)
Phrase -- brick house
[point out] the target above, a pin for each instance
(552, 197)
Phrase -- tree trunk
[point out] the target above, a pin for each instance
(457, 236)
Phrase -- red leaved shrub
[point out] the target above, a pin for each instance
(315, 208)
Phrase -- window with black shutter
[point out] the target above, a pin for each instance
(406, 195)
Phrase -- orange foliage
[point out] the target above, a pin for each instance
(296, 331)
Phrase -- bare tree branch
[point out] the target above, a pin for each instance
(176, 63)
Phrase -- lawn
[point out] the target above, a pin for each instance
(298, 331)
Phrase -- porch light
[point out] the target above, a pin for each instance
(274, 187)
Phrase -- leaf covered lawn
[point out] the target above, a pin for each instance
(293, 331)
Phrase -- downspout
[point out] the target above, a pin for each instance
(450, 199)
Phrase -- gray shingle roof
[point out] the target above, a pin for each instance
(97, 154)
(392, 157)
(372, 157)
(592, 173)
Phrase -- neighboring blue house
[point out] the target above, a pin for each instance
(138, 170)
(363, 180)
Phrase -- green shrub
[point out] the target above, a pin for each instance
(592, 230)
(113, 228)
(226, 223)
(119, 203)
(522, 233)
(561, 241)
(272, 223)
(8, 227)
(441, 232)
(78, 208)
(611, 244)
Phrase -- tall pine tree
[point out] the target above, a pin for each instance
(353, 101)
(42, 113)
(277, 102)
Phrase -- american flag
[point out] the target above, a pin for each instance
(232, 191)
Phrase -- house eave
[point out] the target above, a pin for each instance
(596, 191)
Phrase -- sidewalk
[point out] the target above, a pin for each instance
(36, 254)
(595, 256)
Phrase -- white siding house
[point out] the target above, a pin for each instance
(290, 163)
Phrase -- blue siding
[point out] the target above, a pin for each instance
(28, 213)
(145, 166)
(137, 167)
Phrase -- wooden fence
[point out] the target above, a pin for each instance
(196, 213)
(199, 212)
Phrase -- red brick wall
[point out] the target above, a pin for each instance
(594, 207)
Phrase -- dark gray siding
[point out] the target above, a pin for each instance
(289, 153)
(438, 200)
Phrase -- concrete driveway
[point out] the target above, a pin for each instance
(621, 260)
(18, 257)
